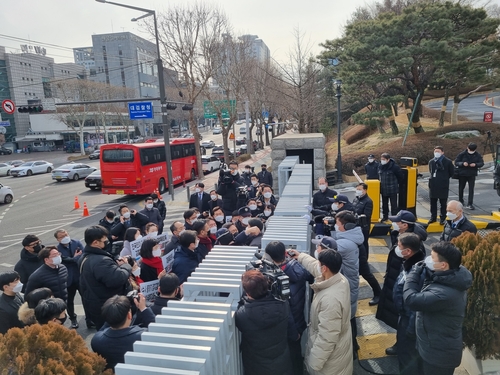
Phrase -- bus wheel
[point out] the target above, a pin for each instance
(162, 188)
(193, 175)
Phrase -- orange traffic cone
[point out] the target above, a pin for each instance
(492, 102)
(77, 205)
(85, 210)
(158, 193)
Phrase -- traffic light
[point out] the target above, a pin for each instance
(30, 109)
(187, 107)
(171, 106)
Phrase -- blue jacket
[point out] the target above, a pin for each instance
(112, 344)
(297, 276)
(70, 261)
(185, 262)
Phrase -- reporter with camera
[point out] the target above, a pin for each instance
(298, 276)
(122, 328)
(264, 325)
(229, 183)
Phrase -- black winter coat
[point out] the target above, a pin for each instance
(264, 345)
(56, 279)
(185, 262)
(212, 204)
(205, 200)
(171, 245)
(229, 195)
(363, 206)
(440, 307)
(138, 220)
(390, 176)
(371, 170)
(101, 278)
(153, 216)
(386, 309)
(160, 205)
(9, 305)
(463, 225)
(28, 264)
(441, 171)
(298, 276)
(474, 158)
(265, 177)
(321, 199)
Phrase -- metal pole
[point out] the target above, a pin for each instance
(247, 121)
(164, 116)
(339, 154)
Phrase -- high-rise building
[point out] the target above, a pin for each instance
(84, 56)
(259, 49)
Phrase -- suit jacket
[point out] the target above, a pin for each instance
(205, 199)
(265, 178)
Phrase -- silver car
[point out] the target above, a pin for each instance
(32, 167)
(72, 171)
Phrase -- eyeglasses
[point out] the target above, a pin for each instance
(34, 244)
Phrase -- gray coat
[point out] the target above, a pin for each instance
(440, 307)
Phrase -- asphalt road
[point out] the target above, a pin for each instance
(472, 107)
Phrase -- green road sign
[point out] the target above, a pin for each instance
(223, 105)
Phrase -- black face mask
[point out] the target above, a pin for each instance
(264, 169)
(37, 248)
(106, 243)
(62, 320)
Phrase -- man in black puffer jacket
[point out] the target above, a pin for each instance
(228, 188)
(263, 321)
(52, 274)
(298, 276)
(468, 162)
(440, 306)
(101, 277)
(29, 261)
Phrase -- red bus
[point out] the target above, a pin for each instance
(139, 169)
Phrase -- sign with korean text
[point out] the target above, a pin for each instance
(140, 110)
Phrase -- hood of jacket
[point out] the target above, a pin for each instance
(29, 257)
(460, 279)
(355, 235)
(265, 314)
(26, 315)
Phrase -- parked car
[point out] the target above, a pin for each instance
(217, 130)
(5, 169)
(72, 171)
(15, 163)
(32, 167)
(208, 144)
(210, 163)
(243, 147)
(241, 141)
(5, 151)
(95, 155)
(219, 154)
(243, 129)
(93, 180)
(6, 194)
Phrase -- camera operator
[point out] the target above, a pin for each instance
(122, 329)
(323, 223)
(264, 325)
(229, 182)
(298, 276)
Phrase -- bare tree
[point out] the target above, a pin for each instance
(190, 36)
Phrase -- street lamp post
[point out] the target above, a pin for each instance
(163, 96)
(338, 84)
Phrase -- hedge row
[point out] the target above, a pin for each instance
(421, 146)
(356, 133)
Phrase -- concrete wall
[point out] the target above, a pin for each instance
(315, 141)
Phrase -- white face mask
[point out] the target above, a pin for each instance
(197, 190)
(322, 187)
(18, 287)
(268, 195)
(156, 252)
(56, 260)
(198, 215)
(155, 200)
(395, 226)
(383, 162)
(149, 206)
(470, 152)
(398, 252)
(111, 221)
(359, 193)
(451, 215)
(66, 240)
(213, 230)
(268, 213)
(253, 207)
(429, 263)
(437, 155)
(126, 215)
(214, 197)
(219, 218)
(255, 183)
(316, 254)
(196, 243)
(136, 272)
(318, 268)
(335, 206)
(248, 171)
(371, 160)
(153, 234)
(336, 227)
(234, 173)
(245, 220)
(138, 237)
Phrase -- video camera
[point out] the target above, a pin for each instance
(279, 283)
(225, 176)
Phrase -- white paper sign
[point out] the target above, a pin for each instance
(150, 289)
(168, 261)
(135, 248)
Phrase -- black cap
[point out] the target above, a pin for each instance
(245, 211)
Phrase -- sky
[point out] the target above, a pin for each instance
(60, 25)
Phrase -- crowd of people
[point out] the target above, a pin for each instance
(418, 292)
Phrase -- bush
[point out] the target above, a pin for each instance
(356, 133)
(50, 350)
(243, 157)
(421, 146)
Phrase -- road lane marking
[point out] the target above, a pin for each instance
(55, 221)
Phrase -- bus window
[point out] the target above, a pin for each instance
(152, 155)
(117, 156)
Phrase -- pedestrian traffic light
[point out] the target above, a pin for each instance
(30, 109)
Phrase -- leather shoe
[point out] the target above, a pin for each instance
(442, 221)
(374, 301)
(391, 350)
(432, 220)
(91, 324)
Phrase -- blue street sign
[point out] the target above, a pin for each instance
(140, 110)
(265, 114)
(5, 123)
